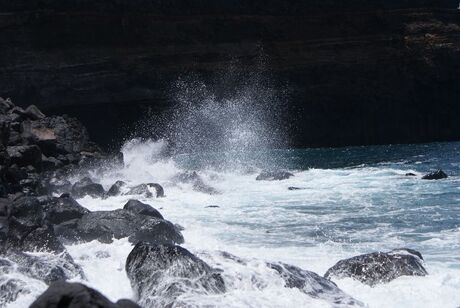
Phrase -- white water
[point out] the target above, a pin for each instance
(336, 216)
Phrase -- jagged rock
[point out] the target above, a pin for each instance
(115, 189)
(410, 174)
(197, 182)
(51, 163)
(313, 284)
(145, 189)
(86, 187)
(106, 225)
(436, 175)
(64, 208)
(142, 208)
(46, 267)
(161, 273)
(24, 155)
(34, 113)
(295, 188)
(64, 294)
(274, 176)
(379, 267)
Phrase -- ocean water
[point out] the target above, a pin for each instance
(353, 200)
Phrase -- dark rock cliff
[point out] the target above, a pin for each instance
(356, 72)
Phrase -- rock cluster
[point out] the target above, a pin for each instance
(31, 144)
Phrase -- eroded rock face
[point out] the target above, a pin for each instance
(161, 273)
(106, 225)
(379, 267)
(313, 284)
(64, 294)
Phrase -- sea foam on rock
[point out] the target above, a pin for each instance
(379, 267)
(313, 285)
(159, 274)
(64, 294)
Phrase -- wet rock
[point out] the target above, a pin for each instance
(142, 208)
(86, 187)
(379, 267)
(212, 206)
(159, 274)
(46, 267)
(64, 208)
(274, 176)
(410, 174)
(197, 182)
(295, 188)
(115, 189)
(436, 175)
(24, 155)
(313, 284)
(145, 189)
(106, 225)
(56, 185)
(11, 289)
(64, 294)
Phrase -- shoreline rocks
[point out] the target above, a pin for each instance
(379, 267)
(435, 175)
(274, 176)
(65, 294)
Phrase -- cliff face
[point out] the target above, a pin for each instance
(359, 72)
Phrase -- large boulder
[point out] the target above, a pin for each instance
(86, 187)
(379, 267)
(116, 189)
(64, 208)
(107, 225)
(64, 294)
(313, 285)
(435, 175)
(142, 208)
(159, 274)
(274, 176)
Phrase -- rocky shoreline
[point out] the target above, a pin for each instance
(39, 213)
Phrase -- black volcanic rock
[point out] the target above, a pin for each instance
(379, 267)
(436, 175)
(115, 189)
(161, 273)
(86, 187)
(64, 294)
(48, 268)
(106, 225)
(142, 208)
(145, 189)
(64, 208)
(313, 284)
(25, 155)
(274, 176)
